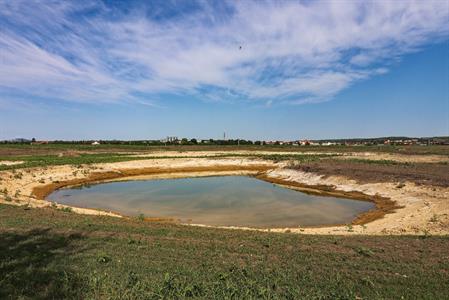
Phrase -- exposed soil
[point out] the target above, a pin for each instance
(416, 208)
(419, 173)
(10, 163)
(383, 205)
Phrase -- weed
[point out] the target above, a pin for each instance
(426, 234)
(434, 218)
(66, 209)
(364, 251)
(141, 217)
(367, 281)
(103, 259)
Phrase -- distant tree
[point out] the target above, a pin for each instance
(194, 141)
(33, 140)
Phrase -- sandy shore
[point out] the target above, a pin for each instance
(423, 209)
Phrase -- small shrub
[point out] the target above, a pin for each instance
(8, 198)
(42, 180)
(66, 209)
(434, 218)
(141, 217)
(365, 251)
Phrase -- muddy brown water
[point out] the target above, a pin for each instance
(218, 201)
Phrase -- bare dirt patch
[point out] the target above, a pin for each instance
(419, 173)
(10, 163)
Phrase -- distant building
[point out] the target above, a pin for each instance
(328, 144)
(95, 143)
(170, 139)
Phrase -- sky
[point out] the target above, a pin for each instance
(271, 70)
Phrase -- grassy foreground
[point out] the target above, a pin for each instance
(48, 253)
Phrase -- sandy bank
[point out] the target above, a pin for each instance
(423, 209)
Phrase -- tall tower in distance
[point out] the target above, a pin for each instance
(224, 136)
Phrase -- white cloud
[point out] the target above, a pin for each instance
(291, 52)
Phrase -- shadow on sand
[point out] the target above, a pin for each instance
(32, 265)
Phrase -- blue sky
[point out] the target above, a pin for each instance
(257, 70)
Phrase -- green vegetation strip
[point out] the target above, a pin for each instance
(32, 161)
(52, 254)
(52, 160)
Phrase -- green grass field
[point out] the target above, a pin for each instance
(32, 161)
(52, 254)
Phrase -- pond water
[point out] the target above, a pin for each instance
(225, 200)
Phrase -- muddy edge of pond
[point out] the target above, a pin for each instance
(382, 205)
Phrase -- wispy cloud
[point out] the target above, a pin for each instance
(268, 52)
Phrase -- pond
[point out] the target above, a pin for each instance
(219, 201)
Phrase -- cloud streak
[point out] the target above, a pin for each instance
(267, 52)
